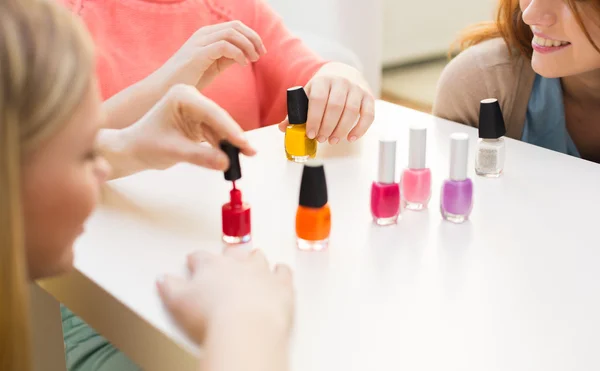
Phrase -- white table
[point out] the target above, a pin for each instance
(516, 288)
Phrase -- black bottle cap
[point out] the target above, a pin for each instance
(234, 172)
(313, 189)
(297, 105)
(491, 122)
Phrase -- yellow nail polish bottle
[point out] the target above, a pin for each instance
(298, 147)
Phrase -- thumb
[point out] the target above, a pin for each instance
(283, 124)
(189, 104)
(171, 289)
(202, 155)
(175, 295)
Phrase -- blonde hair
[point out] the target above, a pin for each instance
(510, 26)
(46, 65)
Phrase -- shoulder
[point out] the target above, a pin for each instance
(230, 10)
(73, 5)
(487, 65)
(486, 70)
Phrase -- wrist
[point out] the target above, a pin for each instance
(246, 342)
(115, 146)
(337, 69)
(273, 328)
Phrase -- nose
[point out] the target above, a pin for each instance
(539, 12)
(102, 170)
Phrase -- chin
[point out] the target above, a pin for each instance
(546, 70)
(48, 269)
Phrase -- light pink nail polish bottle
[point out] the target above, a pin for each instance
(416, 179)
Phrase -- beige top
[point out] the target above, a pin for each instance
(485, 71)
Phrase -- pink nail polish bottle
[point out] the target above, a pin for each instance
(385, 192)
(416, 179)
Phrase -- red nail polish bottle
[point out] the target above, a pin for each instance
(235, 213)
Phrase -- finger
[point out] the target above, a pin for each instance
(258, 257)
(210, 136)
(248, 32)
(236, 252)
(283, 124)
(223, 48)
(201, 155)
(196, 108)
(367, 115)
(174, 294)
(334, 108)
(350, 115)
(236, 38)
(197, 260)
(170, 289)
(283, 273)
(318, 92)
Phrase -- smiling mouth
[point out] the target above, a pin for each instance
(549, 43)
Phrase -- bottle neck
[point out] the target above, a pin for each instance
(491, 140)
(235, 197)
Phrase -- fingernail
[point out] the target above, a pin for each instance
(333, 140)
(241, 137)
(352, 138)
(311, 134)
(264, 49)
(321, 138)
(161, 285)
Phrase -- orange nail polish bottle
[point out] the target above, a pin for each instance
(313, 218)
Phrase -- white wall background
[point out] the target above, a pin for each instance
(418, 29)
(383, 32)
(354, 24)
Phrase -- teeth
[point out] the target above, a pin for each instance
(547, 42)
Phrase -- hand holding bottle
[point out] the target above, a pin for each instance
(340, 105)
(171, 132)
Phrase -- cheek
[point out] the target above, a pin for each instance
(56, 208)
(583, 50)
(584, 53)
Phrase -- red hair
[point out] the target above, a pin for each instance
(509, 25)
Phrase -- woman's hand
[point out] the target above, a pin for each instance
(171, 133)
(208, 52)
(340, 105)
(237, 287)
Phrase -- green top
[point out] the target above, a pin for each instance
(86, 350)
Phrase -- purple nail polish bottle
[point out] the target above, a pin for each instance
(456, 200)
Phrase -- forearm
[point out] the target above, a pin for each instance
(130, 104)
(246, 345)
(345, 71)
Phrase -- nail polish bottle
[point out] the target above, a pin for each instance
(298, 147)
(385, 192)
(235, 213)
(456, 200)
(489, 160)
(313, 218)
(416, 179)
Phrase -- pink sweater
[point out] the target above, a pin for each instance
(135, 37)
